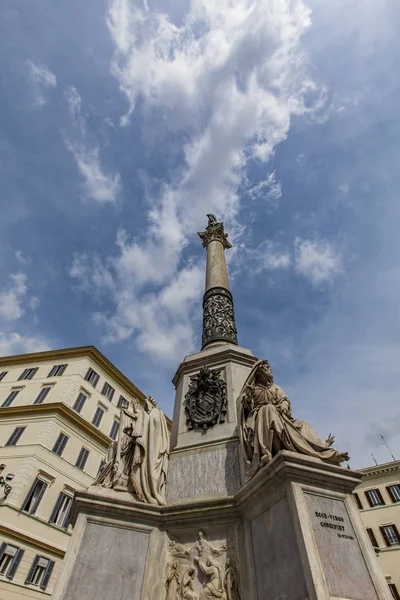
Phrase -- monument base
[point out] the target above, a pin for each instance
(293, 532)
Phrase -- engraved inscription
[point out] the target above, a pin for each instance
(334, 526)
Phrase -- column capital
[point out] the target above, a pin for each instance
(214, 232)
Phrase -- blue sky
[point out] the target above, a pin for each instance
(123, 123)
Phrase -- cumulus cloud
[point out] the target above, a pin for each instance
(14, 299)
(225, 82)
(15, 343)
(99, 185)
(41, 79)
(317, 260)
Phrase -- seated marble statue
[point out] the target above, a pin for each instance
(267, 425)
(138, 462)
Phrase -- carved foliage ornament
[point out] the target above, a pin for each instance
(218, 317)
(205, 400)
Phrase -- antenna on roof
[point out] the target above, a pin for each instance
(374, 459)
(385, 444)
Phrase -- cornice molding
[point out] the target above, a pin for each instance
(79, 352)
(27, 539)
(380, 469)
(225, 355)
(57, 408)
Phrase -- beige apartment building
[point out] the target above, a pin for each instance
(378, 499)
(59, 411)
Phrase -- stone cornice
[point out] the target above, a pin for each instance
(59, 409)
(380, 469)
(79, 352)
(224, 355)
(31, 540)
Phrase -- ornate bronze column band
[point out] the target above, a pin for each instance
(218, 317)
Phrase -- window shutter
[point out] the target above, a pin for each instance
(63, 443)
(15, 563)
(29, 494)
(2, 548)
(358, 501)
(56, 508)
(372, 538)
(380, 496)
(96, 380)
(32, 569)
(40, 496)
(369, 499)
(385, 537)
(47, 575)
(396, 532)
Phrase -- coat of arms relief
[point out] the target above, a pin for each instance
(205, 401)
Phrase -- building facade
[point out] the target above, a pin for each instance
(378, 500)
(59, 410)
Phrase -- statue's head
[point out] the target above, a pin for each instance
(264, 373)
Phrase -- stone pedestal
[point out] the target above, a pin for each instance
(304, 537)
(206, 462)
(293, 530)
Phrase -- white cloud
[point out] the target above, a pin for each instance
(41, 80)
(317, 260)
(227, 81)
(268, 256)
(14, 343)
(269, 189)
(99, 184)
(14, 299)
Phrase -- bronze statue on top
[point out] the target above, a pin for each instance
(267, 425)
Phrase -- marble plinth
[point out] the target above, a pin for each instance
(294, 531)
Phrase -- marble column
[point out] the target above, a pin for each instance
(218, 312)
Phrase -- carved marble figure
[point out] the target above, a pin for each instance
(232, 580)
(138, 462)
(172, 582)
(187, 586)
(267, 425)
(214, 586)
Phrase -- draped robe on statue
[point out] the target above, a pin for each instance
(267, 425)
(139, 461)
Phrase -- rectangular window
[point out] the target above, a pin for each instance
(34, 496)
(92, 377)
(10, 557)
(122, 402)
(372, 538)
(374, 498)
(2, 375)
(57, 370)
(14, 437)
(60, 514)
(358, 501)
(40, 572)
(98, 415)
(60, 444)
(101, 465)
(42, 394)
(114, 430)
(394, 492)
(10, 398)
(28, 373)
(393, 591)
(108, 391)
(390, 535)
(80, 402)
(82, 458)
